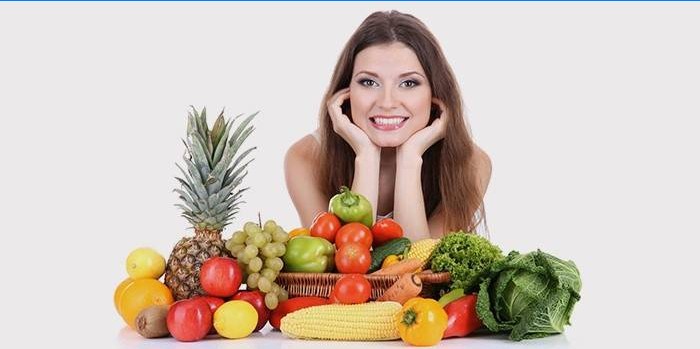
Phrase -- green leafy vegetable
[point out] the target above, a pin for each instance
(467, 257)
(530, 295)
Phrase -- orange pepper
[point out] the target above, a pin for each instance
(421, 321)
(299, 232)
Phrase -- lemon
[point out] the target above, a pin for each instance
(145, 263)
(235, 319)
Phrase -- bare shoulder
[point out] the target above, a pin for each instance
(483, 168)
(483, 160)
(302, 155)
(301, 165)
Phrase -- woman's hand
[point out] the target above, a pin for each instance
(420, 141)
(355, 136)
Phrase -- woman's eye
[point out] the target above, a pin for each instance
(410, 83)
(367, 82)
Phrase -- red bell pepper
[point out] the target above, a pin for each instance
(291, 305)
(461, 317)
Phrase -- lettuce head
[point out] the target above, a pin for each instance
(531, 295)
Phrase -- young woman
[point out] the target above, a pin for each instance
(392, 128)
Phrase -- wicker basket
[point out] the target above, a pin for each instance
(321, 284)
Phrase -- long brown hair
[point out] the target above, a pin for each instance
(448, 175)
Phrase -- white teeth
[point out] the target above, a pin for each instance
(388, 121)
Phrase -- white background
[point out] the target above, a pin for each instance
(588, 111)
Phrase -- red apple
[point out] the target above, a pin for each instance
(257, 300)
(214, 303)
(220, 276)
(189, 320)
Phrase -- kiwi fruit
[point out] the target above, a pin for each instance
(151, 321)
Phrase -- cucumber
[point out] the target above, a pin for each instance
(395, 246)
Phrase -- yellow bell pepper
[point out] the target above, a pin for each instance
(389, 260)
(421, 321)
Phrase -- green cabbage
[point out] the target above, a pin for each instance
(467, 257)
(531, 295)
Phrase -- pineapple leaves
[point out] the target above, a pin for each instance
(188, 179)
(184, 184)
(188, 199)
(214, 169)
(241, 127)
(202, 159)
(185, 209)
(202, 127)
(217, 131)
(238, 169)
(242, 132)
(234, 143)
(220, 146)
(196, 179)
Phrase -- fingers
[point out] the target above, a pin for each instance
(341, 122)
(441, 105)
(336, 101)
(339, 97)
(334, 106)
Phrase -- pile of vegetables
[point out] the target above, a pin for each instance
(528, 295)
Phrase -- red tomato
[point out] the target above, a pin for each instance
(220, 276)
(352, 289)
(385, 230)
(257, 300)
(325, 225)
(354, 232)
(353, 258)
(292, 305)
(189, 320)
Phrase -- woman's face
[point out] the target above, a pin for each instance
(390, 95)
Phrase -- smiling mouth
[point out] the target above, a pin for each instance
(388, 123)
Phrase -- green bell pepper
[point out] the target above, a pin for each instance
(308, 254)
(351, 207)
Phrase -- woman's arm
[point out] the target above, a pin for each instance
(367, 154)
(409, 210)
(366, 178)
(409, 207)
(300, 175)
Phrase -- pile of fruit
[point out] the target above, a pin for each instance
(147, 305)
(232, 288)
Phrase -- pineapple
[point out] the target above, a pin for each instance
(211, 195)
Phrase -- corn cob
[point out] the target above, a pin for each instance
(423, 250)
(349, 322)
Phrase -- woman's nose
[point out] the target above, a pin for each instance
(387, 100)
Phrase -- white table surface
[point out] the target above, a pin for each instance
(268, 338)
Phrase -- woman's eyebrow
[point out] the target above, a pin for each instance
(402, 75)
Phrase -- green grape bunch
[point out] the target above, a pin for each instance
(259, 251)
